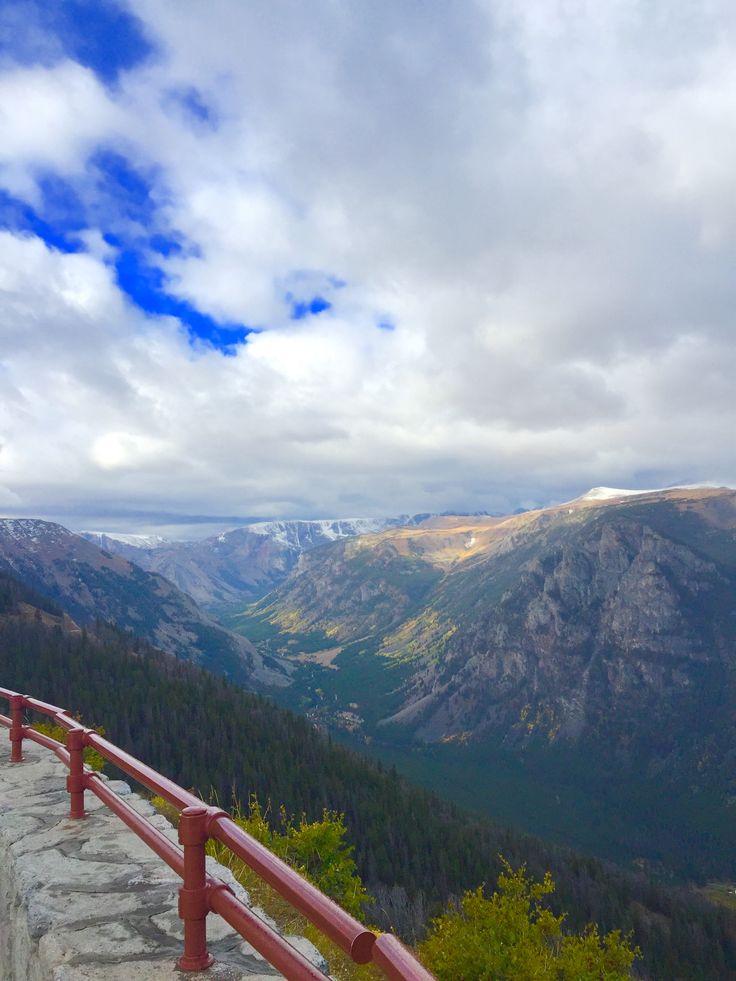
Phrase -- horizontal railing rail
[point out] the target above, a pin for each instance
(201, 893)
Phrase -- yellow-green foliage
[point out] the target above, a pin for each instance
(425, 636)
(291, 621)
(91, 757)
(168, 810)
(513, 936)
(315, 849)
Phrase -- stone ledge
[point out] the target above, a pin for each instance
(87, 900)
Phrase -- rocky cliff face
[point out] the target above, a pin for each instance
(614, 632)
(603, 622)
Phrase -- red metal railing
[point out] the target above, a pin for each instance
(200, 892)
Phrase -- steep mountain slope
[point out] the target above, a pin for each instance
(352, 589)
(583, 658)
(412, 849)
(575, 622)
(89, 583)
(618, 629)
(237, 566)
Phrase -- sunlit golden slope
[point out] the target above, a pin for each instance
(446, 541)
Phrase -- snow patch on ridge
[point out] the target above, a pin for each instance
(32, 530)
(135, 541)
(611, 493)
(298, 533)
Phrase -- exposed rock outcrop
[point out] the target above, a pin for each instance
(606, 622)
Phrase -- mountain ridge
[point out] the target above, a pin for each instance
(610, 623)
(581, 657)
(88, 582)
(239, 565)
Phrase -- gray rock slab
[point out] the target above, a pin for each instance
(147, 970)
(87, 900)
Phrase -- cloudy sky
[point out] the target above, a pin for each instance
(336, 258)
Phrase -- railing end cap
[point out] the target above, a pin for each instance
(361, 949)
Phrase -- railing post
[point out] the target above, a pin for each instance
(16, 729)
(75, 778)
(193, 904)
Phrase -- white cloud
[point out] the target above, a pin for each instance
(51, 117)
(539, 197)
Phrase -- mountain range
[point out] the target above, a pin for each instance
(89, 583)
(549, 626)
(240, 565)
(581, 657)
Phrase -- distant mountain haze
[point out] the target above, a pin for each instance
(240, 565)
(88, 582)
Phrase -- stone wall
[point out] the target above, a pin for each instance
(87, 900)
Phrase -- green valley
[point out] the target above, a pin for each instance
(570, 671)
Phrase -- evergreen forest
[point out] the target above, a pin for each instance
(412, 849)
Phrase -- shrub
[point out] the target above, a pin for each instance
(513, 936)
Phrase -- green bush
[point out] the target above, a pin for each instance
(513, 936)
(315, 849)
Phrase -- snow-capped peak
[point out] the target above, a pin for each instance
(300, 532)
(31, 530)
(135, 541)
(611, 493)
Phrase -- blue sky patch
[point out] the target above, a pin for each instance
(122, 203)
(167, 245)
(102, 35)
(17, 216)
(308, 308)
(122, 190)
(308, 292)
(62, 208)
(146, 287)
